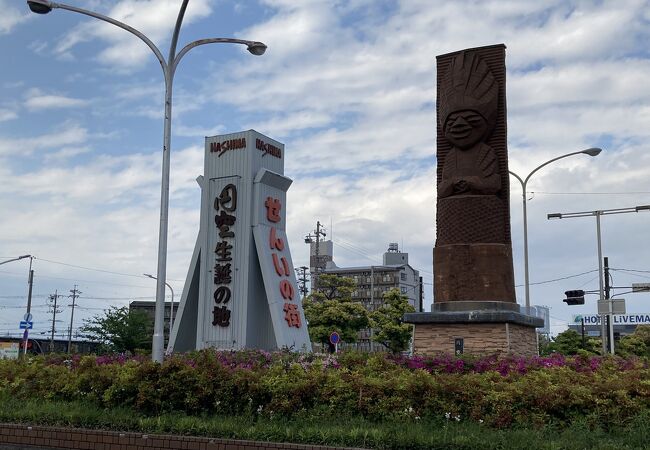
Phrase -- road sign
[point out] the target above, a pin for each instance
(618, 306)
(640, 287)
(335, 338)
(25, 325)
(27, 317)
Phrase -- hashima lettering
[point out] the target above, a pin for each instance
(223, 147)
(268, 149)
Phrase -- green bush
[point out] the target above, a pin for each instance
(603, 392)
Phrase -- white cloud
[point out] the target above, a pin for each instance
(11, 16)
(66, 153)
(43, 102)
(69, 134)
(154, 18)
(350, 88)
(6, 114)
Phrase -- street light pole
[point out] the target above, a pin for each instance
(28, 314)
(169, 68)
(171, 312)
(15, 259)
(30, 281)
(601, 288)
(524, 183)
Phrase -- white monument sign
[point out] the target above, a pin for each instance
(241, 290)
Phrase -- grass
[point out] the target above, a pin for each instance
(341, 431)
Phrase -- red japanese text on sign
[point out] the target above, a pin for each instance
(275, 242)
(281, 264)
(292, 315)
(225, 204)
(273, 209)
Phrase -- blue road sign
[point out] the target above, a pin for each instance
(335, 338)
(24, 325)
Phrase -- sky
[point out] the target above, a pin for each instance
(349, 88)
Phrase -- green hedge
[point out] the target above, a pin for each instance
(533, 392)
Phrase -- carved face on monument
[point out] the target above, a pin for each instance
(468, 101)
(465, 128)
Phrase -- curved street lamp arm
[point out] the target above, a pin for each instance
(177, 30)
(191, 45)
(117, 23)
(549, 162)
(517, 177)
(15, 259)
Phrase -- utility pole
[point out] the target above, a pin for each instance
(601, 289)
(610, 316)
(302, 280)
(75, 294)
(28, 314)
(318, 232)
(53, 298)
(371, 307)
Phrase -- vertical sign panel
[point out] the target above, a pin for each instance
(283, 296)
(234, 304)
(221, 308)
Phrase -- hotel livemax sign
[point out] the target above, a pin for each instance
(241, 290)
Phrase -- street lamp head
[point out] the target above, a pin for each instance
(257, 48)
(40, 6)
(24, 256)
(642, 208)
(592, 151)
(554, 216)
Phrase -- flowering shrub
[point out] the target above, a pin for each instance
(496, 391)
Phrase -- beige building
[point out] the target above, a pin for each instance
(374, 280)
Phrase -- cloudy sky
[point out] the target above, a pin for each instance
(349, 87)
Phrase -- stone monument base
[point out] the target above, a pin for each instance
(495, 328)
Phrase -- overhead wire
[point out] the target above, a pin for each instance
(590, 193)
(559, 279)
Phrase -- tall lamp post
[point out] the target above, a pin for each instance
(30, 281)
(171, 312)
(524, 182)
(15, 259)
(601, 288)
(169, 68)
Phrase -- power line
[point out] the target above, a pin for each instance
(590, 193)
(631, 270)
(355, 249)
(22, 306)
(560, 279)
(589, 281)
(18, 297)
(97, 270)
(90, 268)
(632, 274)
(560, 320)
(79, 279)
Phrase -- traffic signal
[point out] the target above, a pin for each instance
(576, 297)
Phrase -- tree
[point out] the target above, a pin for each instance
(569, 342)
(636, 344)
(388, 322)
(120, 330)
(331, 308)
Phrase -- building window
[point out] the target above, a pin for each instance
(402, 276)
(403, 289)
